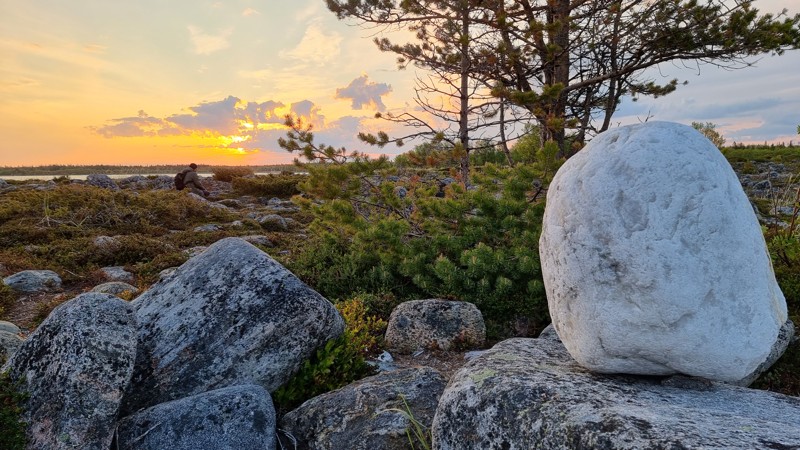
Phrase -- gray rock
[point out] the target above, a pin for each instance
(763, 185)
(549, 332)
(277, 205)
(207, 203)
(785, 337)
(115, 288)
(207, 227)
(259, 239)
(230, 203)
(434, 323)
(117, 273)
(107, 245)
(9, 344)
(231, 315)
(383, 362)
(194, 251)
(166, 273)
(101, 181)
(139, 182)
(8, 326)
(368, 414)
(530, 394)
(75, 367)
(34, 281)
(273, 222)
(232, 418)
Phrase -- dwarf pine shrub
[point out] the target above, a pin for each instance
(392, 234)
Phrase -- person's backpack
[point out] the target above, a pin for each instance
(179, 180)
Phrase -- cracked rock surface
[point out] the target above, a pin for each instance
(530, 394)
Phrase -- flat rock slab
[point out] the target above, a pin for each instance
(530, 394)
(232, 418)
(231, 315)
(372, 413)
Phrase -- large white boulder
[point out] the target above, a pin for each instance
(653, 260)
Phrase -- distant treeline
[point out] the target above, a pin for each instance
(60, 170)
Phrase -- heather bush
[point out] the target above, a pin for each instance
(340, 361)
(55, 229)
(228, 173)
(12, 428)
(7, 297)
(282, 185)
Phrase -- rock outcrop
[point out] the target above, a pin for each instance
(434, 323)
(75, 367)
(102, 181)
(530, 394)
(232, 418)
(653, 259)
(34, 281)
(229, 316)
(372, 413)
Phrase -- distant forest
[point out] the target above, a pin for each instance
(59, 169)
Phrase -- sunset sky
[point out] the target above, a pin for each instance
(173, 81)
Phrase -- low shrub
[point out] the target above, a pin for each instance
(282, 185)
(783, 376)
(339, 362)
(228, 173)
(399, 237)
(12, 428)
(7, 298)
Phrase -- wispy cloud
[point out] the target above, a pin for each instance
(205, 43)
(95, 48)
(316, 45)
(362, 92)
(250, 12)
(19, 83)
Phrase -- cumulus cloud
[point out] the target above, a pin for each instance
(205, 43)
(362, 92)
(136, 126)
(250, 12)
(256, 123)
(316, 45)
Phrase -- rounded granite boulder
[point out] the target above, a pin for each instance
(653, 259)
